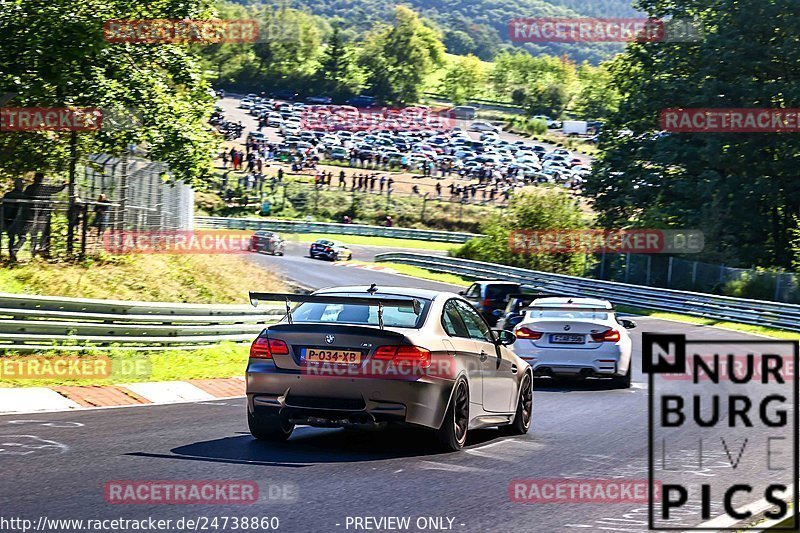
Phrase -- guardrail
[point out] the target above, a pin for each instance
(753, 312)
(298, 226)
(37, 323)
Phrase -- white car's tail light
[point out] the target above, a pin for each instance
(526, 333)
(609, 335)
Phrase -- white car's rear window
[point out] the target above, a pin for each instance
(567, 314)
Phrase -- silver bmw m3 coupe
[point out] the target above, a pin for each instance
(359, 356)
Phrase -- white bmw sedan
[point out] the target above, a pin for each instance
(575, 337)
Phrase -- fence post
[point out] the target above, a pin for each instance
(669, 273)
(778, 277)
(84, 230)
(603, 266)
(73, 156)
(694, 274)
(649, 266)
(627, 266)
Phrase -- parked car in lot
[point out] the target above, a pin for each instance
(483, 126)
(330, 250)
(322, 100)
(415, 358)
(489, 296)
(267, 242)
(576, 338)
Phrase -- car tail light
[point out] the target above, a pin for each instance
(609, 335)
(486, 302)
(526, 333)
(264, 348)
(404, 354)
(328, 249)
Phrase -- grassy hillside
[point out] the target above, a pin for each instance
(209, 279)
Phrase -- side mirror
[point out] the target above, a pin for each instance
(498, 313)
(628, 324)
(504, 337)
(462, 293)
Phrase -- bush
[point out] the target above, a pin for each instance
(546, 209)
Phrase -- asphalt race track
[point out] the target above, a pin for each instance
(57, 464)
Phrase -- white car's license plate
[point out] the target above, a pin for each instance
(566, 339)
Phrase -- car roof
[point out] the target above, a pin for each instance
(560, 302)
(390, 291)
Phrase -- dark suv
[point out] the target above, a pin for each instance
(488, 296)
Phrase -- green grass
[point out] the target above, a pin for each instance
(382, 242)
(217, 279)
(700, 321)
(223, 361)
(422, 273)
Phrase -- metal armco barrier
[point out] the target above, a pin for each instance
(753, 312)
(36, 323)
(298, 226)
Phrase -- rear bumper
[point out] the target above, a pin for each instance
(607, 361)
(334, 400)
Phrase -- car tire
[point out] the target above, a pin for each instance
(270, 428)
(524, 414)
(623, 382)
(453, 432)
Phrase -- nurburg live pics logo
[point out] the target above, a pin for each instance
(737, 413)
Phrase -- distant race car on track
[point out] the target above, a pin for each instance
(363, 357)
(332, 251)
(575, 337)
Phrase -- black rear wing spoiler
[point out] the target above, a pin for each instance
(379, 302)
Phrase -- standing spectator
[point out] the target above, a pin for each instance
(34, 215)
(438, 190)
(11, 207)
(342, 183)
(389, 222)
(101, 215)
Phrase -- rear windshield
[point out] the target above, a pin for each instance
(499, 292)
(559, 313)
(366, 315)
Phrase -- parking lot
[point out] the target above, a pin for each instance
(417, 144)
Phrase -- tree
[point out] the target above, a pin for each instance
(740, 189)
(399, 57)
(464, 79)
(54, 54)
(597, 97)
(338, 73)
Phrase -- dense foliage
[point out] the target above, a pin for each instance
(478, 27)
(741, 189)
(53, 54)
